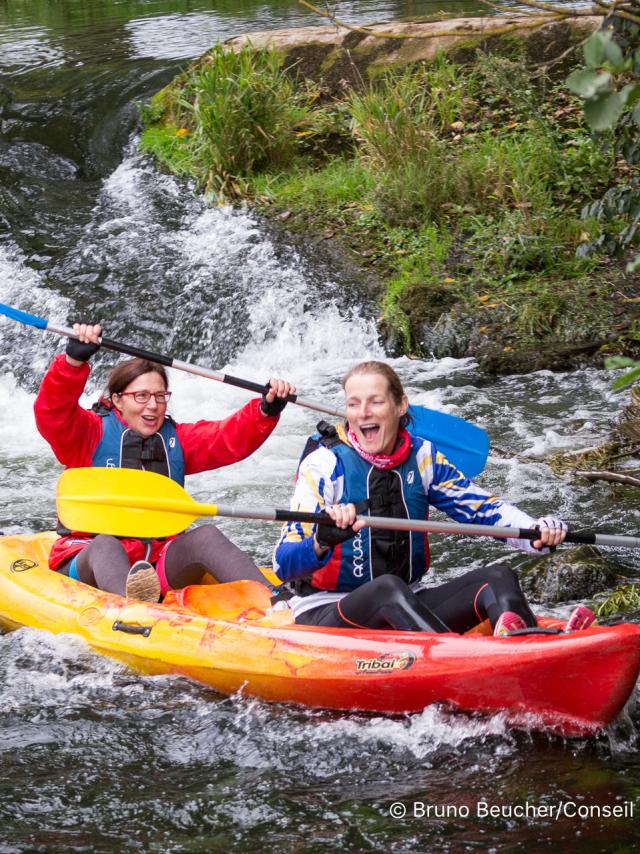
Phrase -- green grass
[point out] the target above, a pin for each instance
(337, 183)
(424, 255)
(624, 599)
(463, 185)
(171, 150)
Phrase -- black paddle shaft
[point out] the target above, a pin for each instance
(250, 386)
(138, 352)
(169, 362)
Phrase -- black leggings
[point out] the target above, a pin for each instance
(458, 605)
(104, 563)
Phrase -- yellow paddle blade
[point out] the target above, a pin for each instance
(125, 503)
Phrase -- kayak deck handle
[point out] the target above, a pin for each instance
(131, 628)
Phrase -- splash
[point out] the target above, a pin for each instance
(25, 351)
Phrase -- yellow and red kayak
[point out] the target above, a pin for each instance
(224, 635)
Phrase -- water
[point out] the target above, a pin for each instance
(98, 758)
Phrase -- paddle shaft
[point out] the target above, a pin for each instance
(189, 510)
(502, 532)
(139, 352)
(199, 370)
(464, 444)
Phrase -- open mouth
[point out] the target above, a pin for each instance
(370, 431)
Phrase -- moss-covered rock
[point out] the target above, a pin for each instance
(566, 575)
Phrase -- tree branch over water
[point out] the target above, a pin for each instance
(609, 476)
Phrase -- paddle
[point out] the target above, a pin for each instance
(132, 503)
(464, 444)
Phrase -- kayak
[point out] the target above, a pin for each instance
(228, 637)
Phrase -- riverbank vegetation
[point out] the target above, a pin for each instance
(461, 185)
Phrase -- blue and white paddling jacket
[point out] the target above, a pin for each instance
(339, 475)
(122, 447)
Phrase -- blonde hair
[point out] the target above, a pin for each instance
(393, 380)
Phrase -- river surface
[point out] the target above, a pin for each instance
(98, 759)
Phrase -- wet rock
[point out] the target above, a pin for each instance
(337, 56)
(5, 98)
(448, 336)
(391, 338)
(495, 359)
(565, 575)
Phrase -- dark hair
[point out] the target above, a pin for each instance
(125, 373)
(394, 383)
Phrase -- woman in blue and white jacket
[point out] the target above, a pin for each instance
(350, 576)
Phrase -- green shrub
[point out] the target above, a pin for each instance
(508, 171)
(506, 87)
(422, 268)
(413, 193)
(398, 124)
(516, 240)
(624, 599)
(244, 112)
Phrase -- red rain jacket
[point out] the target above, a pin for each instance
(74, 433)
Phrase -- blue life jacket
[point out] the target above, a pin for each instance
(396, 492)
(122, 447)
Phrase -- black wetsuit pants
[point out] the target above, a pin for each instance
(457, 605)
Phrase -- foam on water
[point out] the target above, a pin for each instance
(17, 427)
(24, 350)
(41, 670)
(421, 734)
(27, 465)
(329, 743)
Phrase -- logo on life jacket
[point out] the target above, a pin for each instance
(410, 477)
(385, 663)
(358, 556)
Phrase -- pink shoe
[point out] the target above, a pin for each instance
(580, 618)
(508, 622)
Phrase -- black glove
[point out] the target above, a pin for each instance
(274, 407)
(79, 351)
(328, 536)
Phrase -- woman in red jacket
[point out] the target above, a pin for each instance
(129, 427)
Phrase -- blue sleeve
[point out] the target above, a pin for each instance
(460, 498)
(292, 560)
(320, 482)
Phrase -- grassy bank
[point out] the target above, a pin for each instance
(461, 186)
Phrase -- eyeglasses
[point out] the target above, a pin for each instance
(145, 396)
